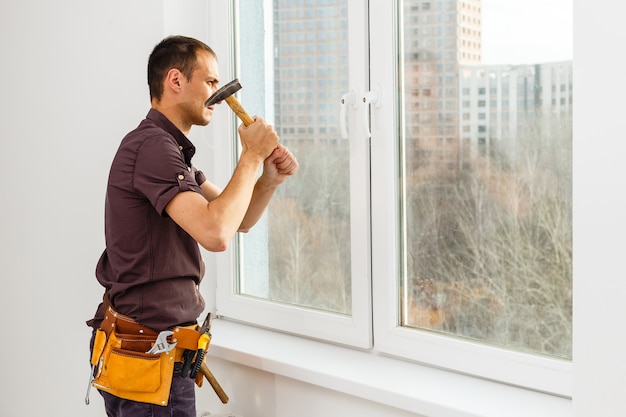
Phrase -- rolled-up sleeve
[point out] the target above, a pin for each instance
(161, 172)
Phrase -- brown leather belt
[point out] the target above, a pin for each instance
(123, 324)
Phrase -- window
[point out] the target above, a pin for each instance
(451, 252)
(309, 257)
(475, 285)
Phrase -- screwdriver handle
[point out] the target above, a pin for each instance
(188, 355)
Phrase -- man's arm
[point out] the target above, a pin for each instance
(276, 168)
(214, 223)
(210, 191)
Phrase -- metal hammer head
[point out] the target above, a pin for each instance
(224, 92)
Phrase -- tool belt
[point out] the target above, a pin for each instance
(122, 365)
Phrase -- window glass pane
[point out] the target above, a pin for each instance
(300, 253)
(486, 157)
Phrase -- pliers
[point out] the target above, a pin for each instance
(203, 344)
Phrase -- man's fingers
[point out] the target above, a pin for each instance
(287, 165)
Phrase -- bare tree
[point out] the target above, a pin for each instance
(310, 232)
(490, 255)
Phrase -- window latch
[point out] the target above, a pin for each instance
(372, 97)
(347, 99)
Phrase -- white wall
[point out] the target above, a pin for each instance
(72, 83)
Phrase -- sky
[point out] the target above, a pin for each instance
(526, 31)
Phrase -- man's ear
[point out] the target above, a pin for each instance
(173, 80)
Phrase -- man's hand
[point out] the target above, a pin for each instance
(279, 165)
(258, 139)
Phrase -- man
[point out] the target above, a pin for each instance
(159, 207)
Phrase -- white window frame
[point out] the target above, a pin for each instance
(354, 330)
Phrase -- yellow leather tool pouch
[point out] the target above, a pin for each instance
(126, 371)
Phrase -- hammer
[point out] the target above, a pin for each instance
(227, 93)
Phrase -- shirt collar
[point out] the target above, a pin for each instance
(184, 144)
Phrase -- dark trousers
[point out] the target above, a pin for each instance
(182, 400)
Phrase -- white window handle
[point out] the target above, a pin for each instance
(370, 97)
(348, 98)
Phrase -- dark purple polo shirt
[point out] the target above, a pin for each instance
(150, 267)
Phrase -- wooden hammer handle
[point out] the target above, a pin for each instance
(216, 385)
(236, 106)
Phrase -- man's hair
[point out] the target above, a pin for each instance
(178, 52)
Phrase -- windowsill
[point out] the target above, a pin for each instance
(368, 375)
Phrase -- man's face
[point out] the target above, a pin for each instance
(203, 83)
